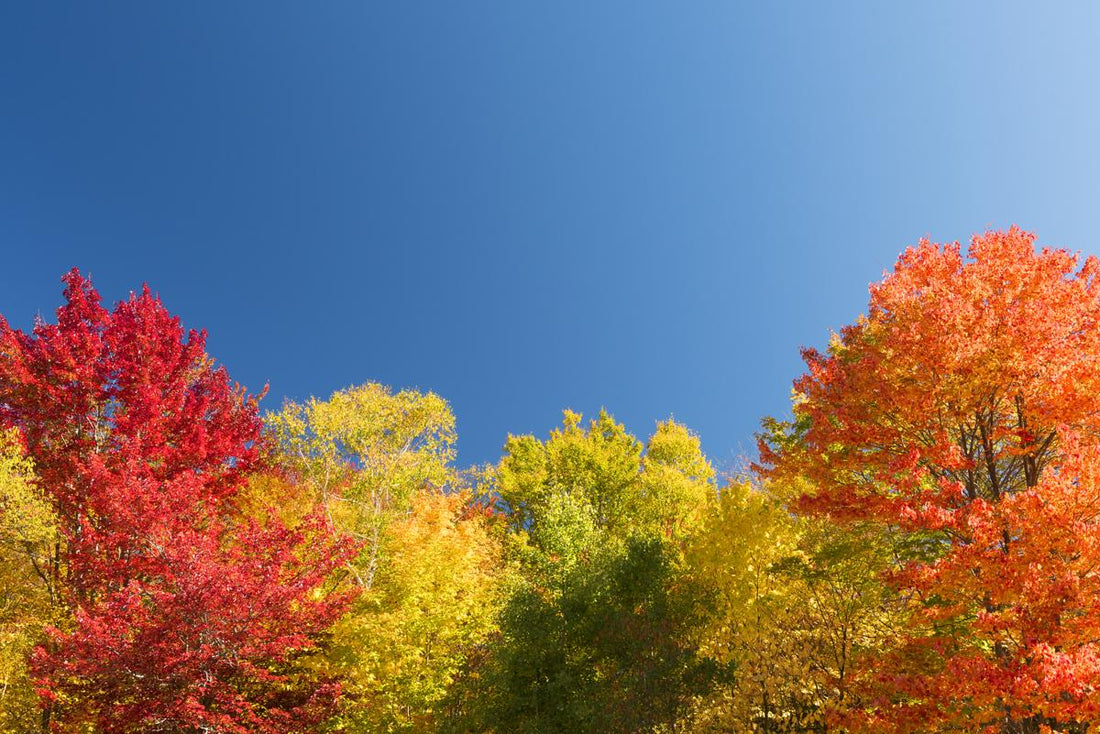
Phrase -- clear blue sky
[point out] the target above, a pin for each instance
(530, 206)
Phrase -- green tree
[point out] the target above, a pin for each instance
(597, 634)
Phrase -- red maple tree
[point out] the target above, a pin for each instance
(963, 413)
(183, 615)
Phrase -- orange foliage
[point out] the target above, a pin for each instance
(964, 412)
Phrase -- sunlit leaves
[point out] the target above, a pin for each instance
(364, 454)
(430, 565)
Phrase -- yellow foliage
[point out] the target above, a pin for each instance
(432, 606)
(797, 600)
(379, 465)
(364, 454)
(27, 536)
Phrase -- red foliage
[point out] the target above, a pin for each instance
(184, 615)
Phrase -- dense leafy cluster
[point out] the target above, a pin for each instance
(915, 550)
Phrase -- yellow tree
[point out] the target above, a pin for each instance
(734, 552)
(432, 607)
(380, 464)
(795, 601)
(596, 635)
(365, 453)
(27, 535)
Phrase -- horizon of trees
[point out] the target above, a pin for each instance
(915, 550)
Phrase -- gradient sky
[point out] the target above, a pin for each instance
(526, 207)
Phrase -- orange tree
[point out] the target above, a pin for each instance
(962, 413)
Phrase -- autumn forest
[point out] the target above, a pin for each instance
(914, 547)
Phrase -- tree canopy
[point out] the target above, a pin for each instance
(914, 550)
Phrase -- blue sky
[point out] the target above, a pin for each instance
(531, 206)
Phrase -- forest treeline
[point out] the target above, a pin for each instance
(915, 549)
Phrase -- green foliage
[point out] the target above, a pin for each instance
(627, 486)
(597, 635)
(609, 649)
